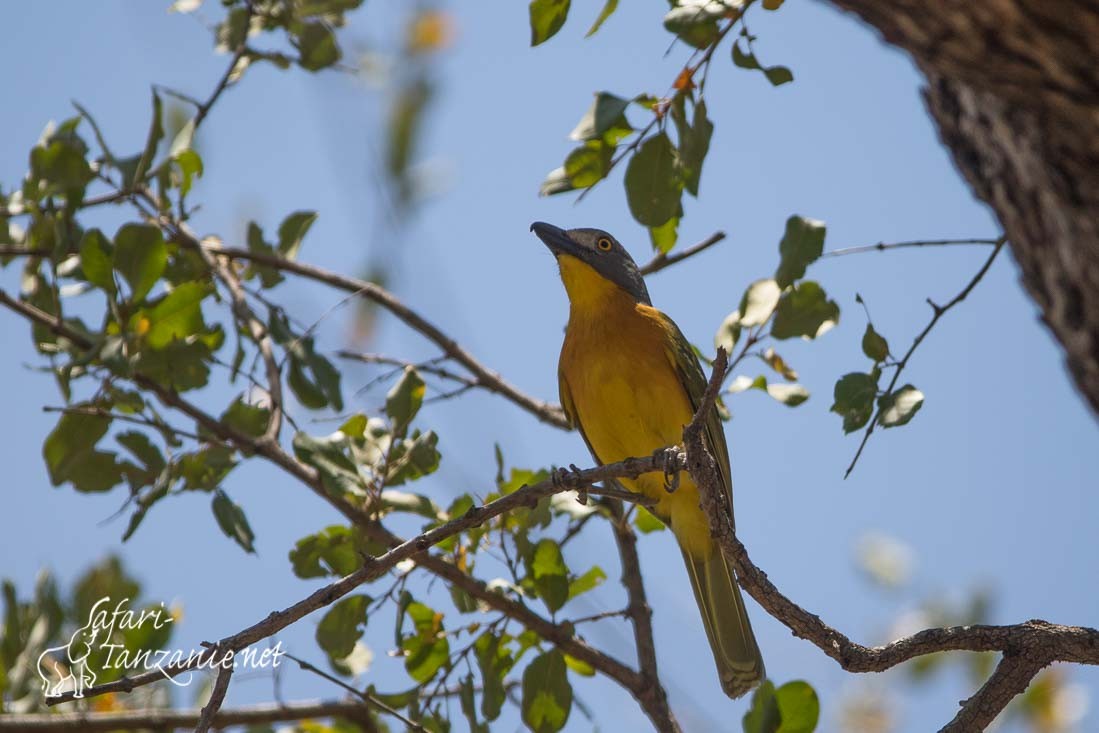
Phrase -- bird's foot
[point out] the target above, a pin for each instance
(669, 458)
(567, 479)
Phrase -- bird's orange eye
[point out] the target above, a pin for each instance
(604, 244)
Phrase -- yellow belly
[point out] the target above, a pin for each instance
(629, 401)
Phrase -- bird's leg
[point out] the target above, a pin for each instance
(670, 459)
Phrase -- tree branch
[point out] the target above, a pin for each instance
(486, 378)
(217, 697)
(172, 719)
(937, 313)
(641, 615)
(1011, 676)
(1033, 644)
(1038, 642)
(663, 260)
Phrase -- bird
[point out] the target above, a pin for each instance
(629, 383)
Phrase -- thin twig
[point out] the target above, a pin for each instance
(663, 260)
(167, 719)
(882, 246)
(937, 313)
(366, 698)
(133, 419)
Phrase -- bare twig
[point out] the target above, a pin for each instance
(163, 428)
(663, 260)
(937, 312)
(366, 698)
(90, 722)
(882, 246)
(217, 697)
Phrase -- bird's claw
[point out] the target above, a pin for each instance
(670, 459)
(569, 479)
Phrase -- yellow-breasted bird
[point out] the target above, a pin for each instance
(630, 383)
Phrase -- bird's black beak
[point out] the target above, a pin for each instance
(556, 238)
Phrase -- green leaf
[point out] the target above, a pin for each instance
(248, 419)
(546, 18)
(759, 302)
(328, 455)
(695, 22)
(694, 143)
(897, 408)
(495, 662)
(143, 449)
(581, 668)
(606, 114)
(269, 276)
(547, 694)
(230, 517)
(342, 626)
(428, 649)
(663, 237)
(323, 387)
(608, 9)
(653, 184)
(798, 706)
(60, 162)
(763, 716)
(233, 31)
(874, 344)
(96, 260)
(190, 167)
(178, 315)
(402, 501)
(404, 400)
(317, 47)
(550, 574)
(779, 364)
(181, 365)
(728, 333)
(804, 311)
(140, 257)
(646, 522)
(854, 399)
(293, 230)
(586, 582)
(588, 164)
(204, 469)
(790, 395)
(557, 181)
(801, 245)
(413, 458)
(333, 551)
(777, 75)
(71, 456)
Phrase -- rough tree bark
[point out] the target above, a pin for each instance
(1013, 86)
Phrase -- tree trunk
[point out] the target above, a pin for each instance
(1013, 86)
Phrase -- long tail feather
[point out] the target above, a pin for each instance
(739, 663)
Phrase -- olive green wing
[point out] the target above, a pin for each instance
(685, 361)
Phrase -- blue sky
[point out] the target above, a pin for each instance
(992, 483)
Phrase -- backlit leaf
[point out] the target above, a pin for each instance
(547, 694)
